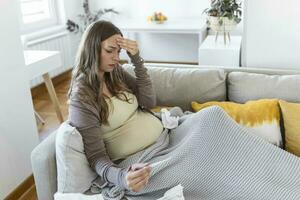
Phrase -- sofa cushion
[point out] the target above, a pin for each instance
(243, 86)
(261, 117)
(291, 118)
(74, 174)
(180, 86)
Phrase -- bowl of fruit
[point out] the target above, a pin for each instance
(157, 17)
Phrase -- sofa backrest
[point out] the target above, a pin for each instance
(179, 86)
(244, 86)
(200, 83)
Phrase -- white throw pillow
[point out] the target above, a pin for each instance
(74, 174)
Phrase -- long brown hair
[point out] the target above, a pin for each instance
(86, 69)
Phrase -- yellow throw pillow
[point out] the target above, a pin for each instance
(291, 120)
(261, 116)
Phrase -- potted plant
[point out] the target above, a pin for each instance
(87, 18)
(223, 16)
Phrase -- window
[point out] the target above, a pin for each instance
(37, 14)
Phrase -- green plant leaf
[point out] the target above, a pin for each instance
(224, 8)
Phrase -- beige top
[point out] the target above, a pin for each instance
(130, 130)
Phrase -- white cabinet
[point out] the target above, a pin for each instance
(218, 53)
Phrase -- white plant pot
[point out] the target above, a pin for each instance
(227, 26)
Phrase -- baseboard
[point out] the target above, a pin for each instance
(25, 186)
(30, 194)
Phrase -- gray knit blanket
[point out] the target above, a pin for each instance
(213, 157)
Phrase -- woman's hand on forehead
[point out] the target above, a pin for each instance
(130, 46)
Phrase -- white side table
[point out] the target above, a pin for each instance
(40, 63)
(213, 52)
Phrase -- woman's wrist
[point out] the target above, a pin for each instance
(136, 59)
(123, 179)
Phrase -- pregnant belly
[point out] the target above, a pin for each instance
(135, 135)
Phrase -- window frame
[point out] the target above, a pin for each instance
(41, 24)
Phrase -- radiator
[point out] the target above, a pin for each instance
(62, 43)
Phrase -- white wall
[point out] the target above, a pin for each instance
(161, 47)
(271, 34)
(72, 9)
(142, 9)
(18, 133)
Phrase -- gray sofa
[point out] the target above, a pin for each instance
(178, 85)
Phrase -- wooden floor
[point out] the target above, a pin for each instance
(29, 195)
(45, 109)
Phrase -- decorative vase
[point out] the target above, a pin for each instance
(222, 25)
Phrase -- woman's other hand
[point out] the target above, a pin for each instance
(137, 177)
(130, 46)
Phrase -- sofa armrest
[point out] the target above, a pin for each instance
(44, 168)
